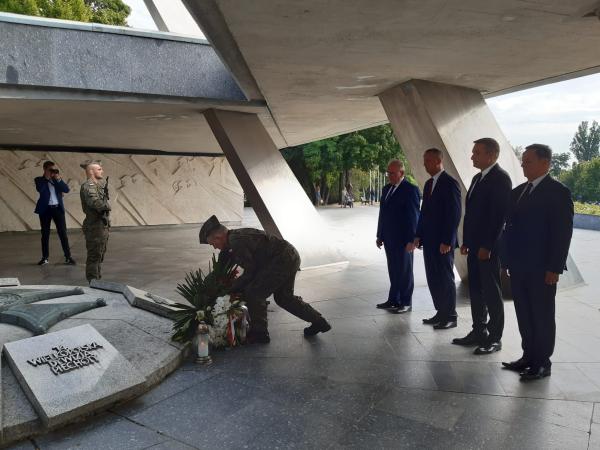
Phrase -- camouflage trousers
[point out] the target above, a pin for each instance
(277, 278)
(96, 238)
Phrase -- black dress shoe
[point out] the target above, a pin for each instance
(516, 366)
(470, 339)
(535, 374)
(402, 309)
(445, 325)
(320, 326)
(260, 337)
(432, 320)
(490, 347)
(388, 305)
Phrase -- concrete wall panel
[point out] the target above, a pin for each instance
(145, 189)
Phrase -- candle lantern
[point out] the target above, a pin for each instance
(202, 341)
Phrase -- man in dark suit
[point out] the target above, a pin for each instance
(537, 239)
(398, 215)
(437, 235)
(486, 207)
(50, 208)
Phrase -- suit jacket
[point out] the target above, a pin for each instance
(440, 213)
(41, 185)
(539, 228)
(398, 215)
(486, 209)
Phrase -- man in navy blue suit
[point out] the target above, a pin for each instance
(50, 208)
(486, 207)
(537, 239)
(398, 216)
(437, 235)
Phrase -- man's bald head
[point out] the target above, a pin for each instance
(94, 171)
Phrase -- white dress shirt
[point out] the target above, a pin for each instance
(435, 178)
(53, 198)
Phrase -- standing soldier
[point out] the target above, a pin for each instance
(270, 265)
(96, 225)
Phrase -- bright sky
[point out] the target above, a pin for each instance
(549, 114)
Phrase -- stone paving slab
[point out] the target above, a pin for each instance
(7, 282)
(150, 302)
(71, 373)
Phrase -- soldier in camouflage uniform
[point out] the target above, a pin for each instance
(270, 265)
(96, 225)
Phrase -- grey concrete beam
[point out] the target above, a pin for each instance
(37, 55)
(424, 114)
(279, 201)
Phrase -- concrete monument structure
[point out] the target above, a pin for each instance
(303, 71)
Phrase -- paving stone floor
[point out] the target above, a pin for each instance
(377, 380)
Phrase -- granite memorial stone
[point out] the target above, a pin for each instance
(71, 373)
(9, 282)
(150, 302)
(108, 286)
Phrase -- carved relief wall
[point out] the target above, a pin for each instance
(144, 189)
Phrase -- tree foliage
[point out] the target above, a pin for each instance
(586, 142)
(584, 180)
(111, 12)
(330, 161)
(560, 163)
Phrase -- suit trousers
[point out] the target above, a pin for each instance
(277, 278)
(400, 271)
(535, 305)
(58, 216)
(486, 295)
(439, 270)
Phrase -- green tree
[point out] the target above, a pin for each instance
(584, 180)
(27, 7)
(111, 12)
(586, 142)
(560, 163)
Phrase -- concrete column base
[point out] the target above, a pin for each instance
(279, 201)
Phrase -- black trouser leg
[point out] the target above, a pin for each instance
(544, 313)
(439, 270)
(486, 295)
(45, 220)
(521, 299)
(61, 228)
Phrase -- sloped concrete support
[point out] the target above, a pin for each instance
(281, 204)
(425, 114)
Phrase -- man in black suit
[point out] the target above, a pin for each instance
(50, 208)
(398, 216)
(486, 207)
(537, 239)
(437, 234)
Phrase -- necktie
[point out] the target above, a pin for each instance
(390, 192)
(429, 188)
(526, 192)
(475, 182)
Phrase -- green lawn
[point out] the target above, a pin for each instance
(586, 208)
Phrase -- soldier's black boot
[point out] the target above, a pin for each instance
(320, 326)
(258, 337)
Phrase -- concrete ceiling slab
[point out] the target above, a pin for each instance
(320, 65)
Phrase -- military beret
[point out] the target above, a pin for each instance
(89, 162)
(211, 224)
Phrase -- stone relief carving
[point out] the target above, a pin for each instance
(145, 189)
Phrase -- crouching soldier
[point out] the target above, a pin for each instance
(270, 265)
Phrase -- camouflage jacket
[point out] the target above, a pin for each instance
(253, 250)
(94, 203)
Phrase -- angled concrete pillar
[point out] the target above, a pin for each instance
(424, 114)
(279, 201)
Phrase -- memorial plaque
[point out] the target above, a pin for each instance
(71, 373)
(108, 286)
(150, 302)
(9, 282)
